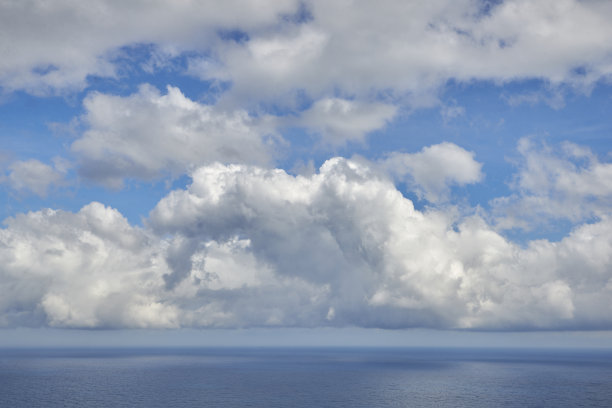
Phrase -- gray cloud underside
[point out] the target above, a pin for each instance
(245, 246)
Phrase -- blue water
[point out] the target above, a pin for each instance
(304, 378)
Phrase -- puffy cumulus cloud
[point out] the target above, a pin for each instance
(89, 269)
(340, 120)
(245, 246)
(33, 176)
(360, 48)
(561, 182)
(145, 134)
(149, 134)
(431, 172)
(55, 46)
(344, 247)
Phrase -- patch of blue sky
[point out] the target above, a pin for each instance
(302, 15)
(26, 125)
(145, 63)
(134, 201)
(490, 125)
(488, 119)
(43, 128)
(553, 231)
(235, 35)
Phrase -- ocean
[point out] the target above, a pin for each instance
(299, 377)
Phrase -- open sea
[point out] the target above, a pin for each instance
(321, 377)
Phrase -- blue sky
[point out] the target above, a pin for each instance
(306, 165)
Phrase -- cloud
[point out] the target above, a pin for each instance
(410, 49)
(245, 246)
(434, 170)
(340, 121)
(553, 98)
(553, 183)
(54, 47)
(87, 269)
(147, 134)
(351, 250)
(362, 50)
(35, 177)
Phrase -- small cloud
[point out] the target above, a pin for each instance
(339, 121)
(450, 112)
(567, 181)
(35, 177)
(432, 171)
(554, 98)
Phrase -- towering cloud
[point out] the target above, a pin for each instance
(246, 246)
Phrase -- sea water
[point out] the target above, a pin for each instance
(304, 378)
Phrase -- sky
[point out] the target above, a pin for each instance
(398, 171)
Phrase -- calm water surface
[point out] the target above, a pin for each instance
(304, 378)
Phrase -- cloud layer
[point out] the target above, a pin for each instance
(272, 49)
(246, 246)
(411, 49)
(43, 54)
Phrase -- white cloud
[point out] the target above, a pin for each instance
(434, 170)
(244, 246)
(340, 121)
(352, 245)
(359, 49)
(35, 177)
(569, 182)
(249, 246)
(54, 46)
(89, 269)
(146, 134)
(410, 49)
